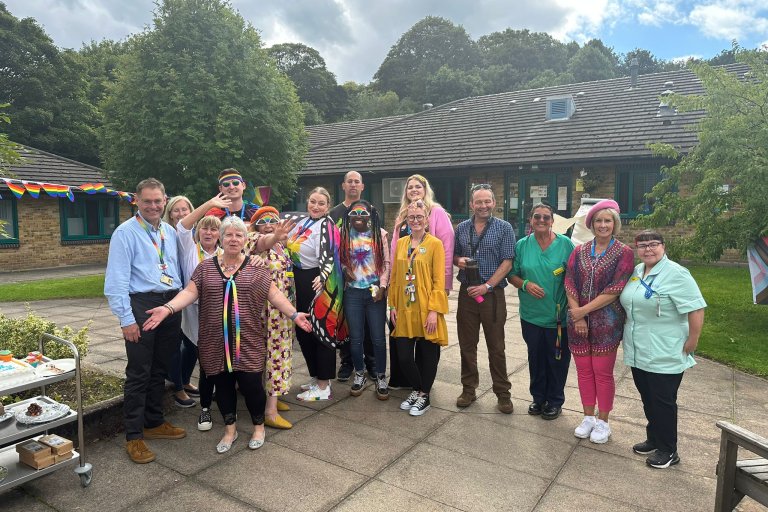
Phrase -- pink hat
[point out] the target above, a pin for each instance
(602, 205)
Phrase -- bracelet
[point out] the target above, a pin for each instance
(392, 308)
(295, 315)
(525, 285)
(170, 308)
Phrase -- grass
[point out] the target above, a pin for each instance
(734, 328)
(85, 287)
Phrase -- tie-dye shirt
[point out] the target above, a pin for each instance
(361, 258)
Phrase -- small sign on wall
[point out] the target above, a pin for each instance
(539, 191)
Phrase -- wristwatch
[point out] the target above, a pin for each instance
(490, 288)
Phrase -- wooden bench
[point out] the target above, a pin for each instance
(739, 478)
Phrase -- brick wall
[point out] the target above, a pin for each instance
(40, 239)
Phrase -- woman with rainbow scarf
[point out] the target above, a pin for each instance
(232, 340)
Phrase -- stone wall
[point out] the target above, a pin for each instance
(40, 244)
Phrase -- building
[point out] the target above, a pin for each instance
(56, 231)
(554, 144)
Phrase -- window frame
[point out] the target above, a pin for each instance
(11, 241)
(629, 173)
(81, 202)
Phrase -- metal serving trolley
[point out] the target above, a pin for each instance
(13, 432)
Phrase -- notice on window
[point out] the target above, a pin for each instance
(562, 198)
(538, 191)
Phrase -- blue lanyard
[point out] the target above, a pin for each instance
(594, 244)
(242, 211)
(648, 290)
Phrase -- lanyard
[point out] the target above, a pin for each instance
(226, 322)
(201, 252)
(242, 211)
(474, 247)
(159, 248)
(594, 244)
(648, 290)
(304, 227)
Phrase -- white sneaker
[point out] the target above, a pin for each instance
(583, 430)
(309, 385)
(600, 433)
(315, 394)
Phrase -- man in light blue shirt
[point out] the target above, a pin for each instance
(143, 272)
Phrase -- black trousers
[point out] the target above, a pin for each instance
(321, 360)
(205, 385)
(658, 392)
(149, 360)
(548, 375)
(345, 352)
(418, 360)
(250, 386)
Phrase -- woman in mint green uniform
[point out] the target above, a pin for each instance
(665, 314)
(539, 274)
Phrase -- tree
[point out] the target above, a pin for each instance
(594, 61)
(419, 53)
(314, 83)
(101, 62)
(720, 187)
(452, 84)
(46, 90)
(367, 103)
(197, 94)
(9, 155)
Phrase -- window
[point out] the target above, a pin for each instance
(560, 107)
(88, 218)
(631, 187)
(453, 195)
(9, 222)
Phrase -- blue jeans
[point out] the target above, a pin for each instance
(182, 364)
(359, 306)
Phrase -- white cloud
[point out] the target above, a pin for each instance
(730, 19)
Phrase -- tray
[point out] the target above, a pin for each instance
(55, 367)
(51, 411)
(8, 415)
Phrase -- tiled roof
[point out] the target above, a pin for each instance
(45, 167)
(612, 122)
(320, 134)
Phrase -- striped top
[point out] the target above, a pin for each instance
(252, 290)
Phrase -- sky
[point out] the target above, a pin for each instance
(354, 36)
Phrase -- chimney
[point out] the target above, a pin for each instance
(634, 66)
(426, 106)
(666, 111)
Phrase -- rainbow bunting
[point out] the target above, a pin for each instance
(32, 188)
(17, 189)
(88, 188)
(70, 195)
(55, 190)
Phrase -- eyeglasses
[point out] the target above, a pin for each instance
(267, 219)
(359, 213)
(480, 186)
(230, 183)
(416, 218)
(650, 245)
(540, 216)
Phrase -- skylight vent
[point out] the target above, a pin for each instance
(560, 107)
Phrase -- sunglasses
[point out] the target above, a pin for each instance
(650, 245)
(539, 216)
(480, 186)
(359, 213)
(267, 219)
(230, 183)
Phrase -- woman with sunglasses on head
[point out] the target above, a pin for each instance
(417, 188)
(597, 273)
(665, 315)
(417, 307)
(539, 272)
(365, 261)
(280, 331)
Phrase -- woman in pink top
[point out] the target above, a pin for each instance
(417, 188)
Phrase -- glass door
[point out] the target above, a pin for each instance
(548, 188)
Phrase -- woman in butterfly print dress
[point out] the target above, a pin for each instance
(596, 274)
(280, 331)
(306, 248)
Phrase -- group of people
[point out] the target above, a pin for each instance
(232, 286)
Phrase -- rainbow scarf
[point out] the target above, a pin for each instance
(231, 286)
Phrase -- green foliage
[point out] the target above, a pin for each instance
(315, 85)
(429, 45)
(366, 103)
(21, 336)
(47, 92)
(593, 62)
(452, 84)
(197, 94)
(101, 62)
(732, 152)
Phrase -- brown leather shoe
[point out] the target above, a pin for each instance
(505, 405)
(139, 452)
(465, 399)
(164, 431)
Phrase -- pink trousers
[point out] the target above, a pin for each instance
(596, 383)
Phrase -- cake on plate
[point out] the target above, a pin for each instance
(14, 373)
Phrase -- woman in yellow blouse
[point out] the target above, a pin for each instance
(417, 305)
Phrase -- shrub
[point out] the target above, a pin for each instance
(21, 336)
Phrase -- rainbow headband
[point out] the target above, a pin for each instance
(231, 176)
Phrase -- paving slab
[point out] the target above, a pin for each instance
(560, 498)
(374, 494)
(191, 496)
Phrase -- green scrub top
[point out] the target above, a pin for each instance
(547, 269)
(657, 327)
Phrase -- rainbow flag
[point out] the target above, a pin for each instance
(56, 190)
(32, 188)
(17, 189)
(70, 195)
(262, 195)
(88, 188)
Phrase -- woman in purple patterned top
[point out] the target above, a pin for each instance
(596, 274)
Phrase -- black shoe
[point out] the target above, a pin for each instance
(534, 409)
(550, 412)
(358, 384)
(644, 448)
(345, 372)
(420, 406)
(662, 460)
